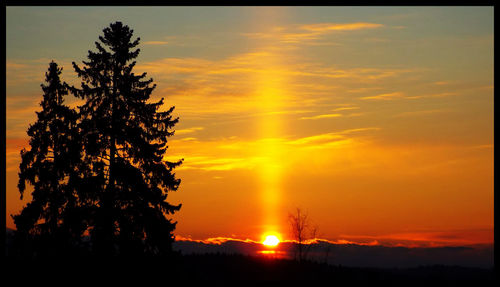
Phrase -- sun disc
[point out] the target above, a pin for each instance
(271, 240)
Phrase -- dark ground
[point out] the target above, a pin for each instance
(235, 267)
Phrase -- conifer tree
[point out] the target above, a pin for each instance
(51, 222)
(124, 141)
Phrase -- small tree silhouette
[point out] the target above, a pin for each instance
(50, 222)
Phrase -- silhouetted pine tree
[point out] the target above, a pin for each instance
(125, 139)
(51, 223)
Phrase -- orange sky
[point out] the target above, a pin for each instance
(376, 121)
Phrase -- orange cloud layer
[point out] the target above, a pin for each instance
(415, 239)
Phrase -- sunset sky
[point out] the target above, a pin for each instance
(376, 121)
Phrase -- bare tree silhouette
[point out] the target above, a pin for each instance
(302, 230)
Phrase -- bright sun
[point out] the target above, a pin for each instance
(271, 240)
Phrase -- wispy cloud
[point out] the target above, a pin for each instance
(309, 33)
(234, 153)
(26, 71)
(221, 240)
(431, 238)
(188, 130)
(401, 95)
(214, 240)
(324, 116)
(441, 83)
(233, 85)
(12, 152)
(260, 63)
(342, 108)
(437, 95)
(386, 96)
(155, 43)
(328, 137)
(215, 163)
(419, 113)
(483, 146)
(345, 109)
(363, 90)
(350, 131)
(325, 27)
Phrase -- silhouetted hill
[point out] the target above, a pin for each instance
(231, 267)
(353, 255)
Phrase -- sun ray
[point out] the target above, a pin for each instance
(270, 85)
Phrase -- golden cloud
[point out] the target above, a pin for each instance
(188, 130)
(387, 96)
(155, 43)
(324, 116)
(323, 27)
(295, 34)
